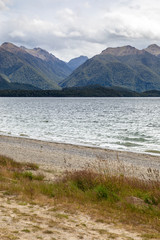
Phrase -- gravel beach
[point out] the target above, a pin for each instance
(59, 155)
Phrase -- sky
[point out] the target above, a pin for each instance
(70, 28)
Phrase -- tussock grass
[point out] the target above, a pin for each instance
(10, 164)
(125, 199)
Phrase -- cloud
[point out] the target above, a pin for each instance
(3, 4)
(70, 28)
(17, 34)
(87, 5)
(138, 20)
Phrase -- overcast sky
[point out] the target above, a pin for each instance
(69, 28)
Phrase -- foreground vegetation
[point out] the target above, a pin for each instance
(129, 201)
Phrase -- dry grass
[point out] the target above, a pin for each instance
(10, 164)
(106, 196)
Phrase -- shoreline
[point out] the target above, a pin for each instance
(23, 136)
(70, 156)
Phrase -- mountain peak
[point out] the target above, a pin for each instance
(153, 49)
(9, 46)
(153, 46)
(122, 51)
(41, 53)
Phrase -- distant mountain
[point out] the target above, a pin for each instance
(5, 84)
(76, 62)
(122, 51)
(121, 67)
(36, 66)
(126, 66)
(153, 49)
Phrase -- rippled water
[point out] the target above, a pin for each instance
(117, 123)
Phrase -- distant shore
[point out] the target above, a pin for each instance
(67, 156)
(87, 91)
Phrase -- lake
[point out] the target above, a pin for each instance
(130, 124)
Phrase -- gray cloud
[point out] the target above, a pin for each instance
(3, 4)
(68, 29)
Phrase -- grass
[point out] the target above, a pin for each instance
(10, 164)
(122, 199)
(151, 236)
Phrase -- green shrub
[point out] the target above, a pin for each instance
(28, 175)
(101, 192)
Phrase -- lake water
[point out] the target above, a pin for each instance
(131, 124)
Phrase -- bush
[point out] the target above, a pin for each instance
(101, 192)
(28, 175)
(83, 179)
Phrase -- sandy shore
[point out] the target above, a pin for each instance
(70, 156)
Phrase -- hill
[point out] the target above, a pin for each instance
(76, 62)
(125, 66)
(5, 84)
(36, 67)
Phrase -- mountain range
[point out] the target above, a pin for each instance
(124, 67)
(32, 66)
(138, 70)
